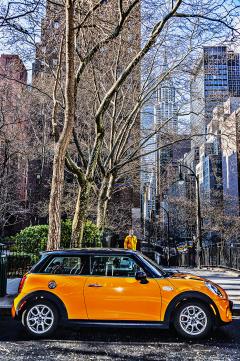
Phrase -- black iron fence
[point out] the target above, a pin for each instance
(216, 255)
(226, 255)
(18, 261)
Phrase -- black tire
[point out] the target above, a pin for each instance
(50, 321)
(189, 328)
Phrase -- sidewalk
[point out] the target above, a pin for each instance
(12, 288)
(210, 272)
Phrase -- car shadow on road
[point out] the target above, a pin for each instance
(11, 330)
(140, 336)
(117, 344)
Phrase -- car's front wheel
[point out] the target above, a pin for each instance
(40, 319)
(193, 320)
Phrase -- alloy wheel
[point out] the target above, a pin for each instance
(193, 320)
(40, 319)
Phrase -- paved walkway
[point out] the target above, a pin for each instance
(12, 288)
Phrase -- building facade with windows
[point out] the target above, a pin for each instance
(215, 78)
(162, 118)
(165, 118)
(14, 147)
(229, 129)
(148, 159)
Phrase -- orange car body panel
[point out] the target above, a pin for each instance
(180, 283)
(69, 289)
(119, 298)
(122, 299)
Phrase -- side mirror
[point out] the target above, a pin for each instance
(142, 277)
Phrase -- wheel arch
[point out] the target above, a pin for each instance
(190, 296)
(43, 295)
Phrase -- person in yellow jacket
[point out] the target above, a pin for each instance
(130, 241)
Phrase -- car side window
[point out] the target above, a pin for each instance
(68, 265)
(115, 266)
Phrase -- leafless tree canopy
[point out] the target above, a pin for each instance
(96, 65)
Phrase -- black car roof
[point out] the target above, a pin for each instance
(74, 251)
(98, 251)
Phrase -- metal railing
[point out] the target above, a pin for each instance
(215, 255)
(18, 261)
(3, 272)
(224, 255)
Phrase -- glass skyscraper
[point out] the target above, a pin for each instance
(216, 77)
(148, 161)
(165, 117)
(165, 109)
(159, 117)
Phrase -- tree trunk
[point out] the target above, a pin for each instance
(54, 234)
(80, 215)
(85, 185)
(103, 201)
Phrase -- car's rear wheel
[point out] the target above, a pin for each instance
(40, 318)
(193, 320)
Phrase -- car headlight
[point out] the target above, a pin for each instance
(214, 289)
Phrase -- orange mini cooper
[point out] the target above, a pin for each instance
(116, 288)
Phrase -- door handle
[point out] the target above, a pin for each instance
(94, 285)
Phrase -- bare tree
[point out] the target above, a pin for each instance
(87, 31)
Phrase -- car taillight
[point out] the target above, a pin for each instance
(21, 284)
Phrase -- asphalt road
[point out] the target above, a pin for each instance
(114, 344)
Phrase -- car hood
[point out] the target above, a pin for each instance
(186, 276)
(189, 282)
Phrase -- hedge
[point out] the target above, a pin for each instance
(33, 239)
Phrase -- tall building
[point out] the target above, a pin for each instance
(12, 68)
(165, 118)
(215, 78)
(160, 116)
(148, 161)
(229, 129)
(165, 109)
(219, 167)
(14, 129)
(147, 128)
(214, 154)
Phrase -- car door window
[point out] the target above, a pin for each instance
(64, 265)
(115, 266)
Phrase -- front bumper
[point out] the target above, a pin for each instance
(13, 312)
(225, 307)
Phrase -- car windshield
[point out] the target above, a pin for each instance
(154, 265)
